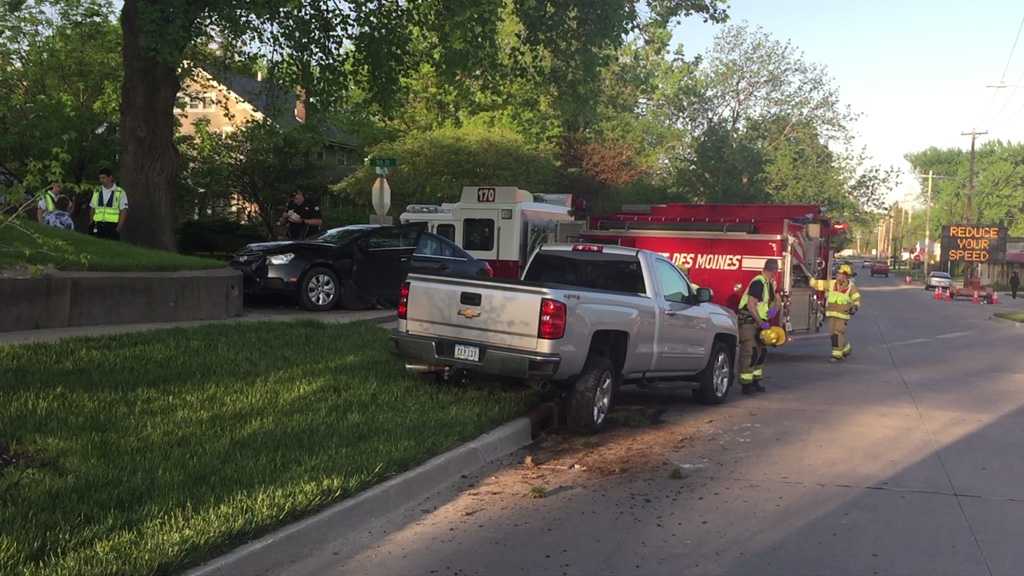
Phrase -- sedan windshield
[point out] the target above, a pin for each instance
(341, 235)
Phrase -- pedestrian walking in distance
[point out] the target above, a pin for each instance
(108, 209)
(842, 300)
(1014, 284)
(758, 305)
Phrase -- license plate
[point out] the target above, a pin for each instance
(463, 352)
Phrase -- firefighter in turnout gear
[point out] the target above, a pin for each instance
(842, 300)
(758, 305)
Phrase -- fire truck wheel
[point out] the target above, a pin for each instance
(717, 377)
(590, 399)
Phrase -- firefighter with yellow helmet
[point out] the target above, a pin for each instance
(842, 300)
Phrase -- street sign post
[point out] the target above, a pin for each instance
(382, 165)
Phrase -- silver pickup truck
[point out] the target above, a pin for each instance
(585, 318)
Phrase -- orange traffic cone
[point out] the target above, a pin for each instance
(949, 294)
(974, 298)
(995, 297)
(937, 293)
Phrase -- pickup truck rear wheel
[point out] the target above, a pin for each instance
(717, 377)
(590, 399)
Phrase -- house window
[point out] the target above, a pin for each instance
(196, 103)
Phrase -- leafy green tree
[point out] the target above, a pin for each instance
(769, 127)
(59, 85)
(434, 166)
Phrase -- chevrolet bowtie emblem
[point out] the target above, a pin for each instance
(469, 313)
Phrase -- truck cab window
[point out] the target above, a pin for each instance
(595, 271)
(673, 286)
(478, 234)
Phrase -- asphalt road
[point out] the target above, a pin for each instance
(906, 459)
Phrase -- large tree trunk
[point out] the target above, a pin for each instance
(149, 160)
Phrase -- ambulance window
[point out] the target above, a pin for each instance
(446, 231)
(478, 234)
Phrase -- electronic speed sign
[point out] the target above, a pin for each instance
(973, 244)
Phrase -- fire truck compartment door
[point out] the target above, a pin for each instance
(803, 310)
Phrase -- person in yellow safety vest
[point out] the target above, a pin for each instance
(758, 305)
(108, 208)
(47, 201)
(842, 300)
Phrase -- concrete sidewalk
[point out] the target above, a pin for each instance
(250, 315)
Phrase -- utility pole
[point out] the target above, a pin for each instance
(928, 226)
(968, 202)
(888, 244)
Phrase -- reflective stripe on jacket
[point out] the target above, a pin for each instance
(112, 211)
(838, 302)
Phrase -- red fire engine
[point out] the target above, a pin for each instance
(723, 247)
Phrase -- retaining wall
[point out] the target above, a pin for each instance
(63, 299)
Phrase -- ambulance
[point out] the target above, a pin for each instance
(500, 224)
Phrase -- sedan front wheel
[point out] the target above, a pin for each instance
(319, 290)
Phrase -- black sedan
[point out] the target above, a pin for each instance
(358, 266)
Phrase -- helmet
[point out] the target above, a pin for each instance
(774, 336)
(845, 269)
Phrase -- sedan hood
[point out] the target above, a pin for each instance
(282, 246)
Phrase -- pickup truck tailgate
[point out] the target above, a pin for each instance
(496, 313)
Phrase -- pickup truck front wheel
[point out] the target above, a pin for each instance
(717, 377)
(590, 399)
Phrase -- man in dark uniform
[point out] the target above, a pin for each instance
(302, 216)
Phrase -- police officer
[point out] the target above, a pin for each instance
(108, 209)
(302, 216)
(842, 300)
(758, 305)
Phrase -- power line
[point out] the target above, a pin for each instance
(1012, 50)
(1002, 78)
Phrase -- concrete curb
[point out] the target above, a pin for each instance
(995, 318)
(296, 541)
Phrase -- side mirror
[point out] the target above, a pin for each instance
(704, 295)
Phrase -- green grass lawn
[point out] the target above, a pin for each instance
(1015, 316)
(148, 453)
(76, 251)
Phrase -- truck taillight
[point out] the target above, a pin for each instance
(587, 248)
(552, 320)
(403, 301)
(488, 271)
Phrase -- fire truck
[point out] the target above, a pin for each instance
(500, 224)
(723, 247)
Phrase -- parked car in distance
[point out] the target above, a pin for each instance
(879, 268)
(938, 279)
(357, 266)
(584, 319)
(865, 264)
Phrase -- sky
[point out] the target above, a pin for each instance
(916, 70)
